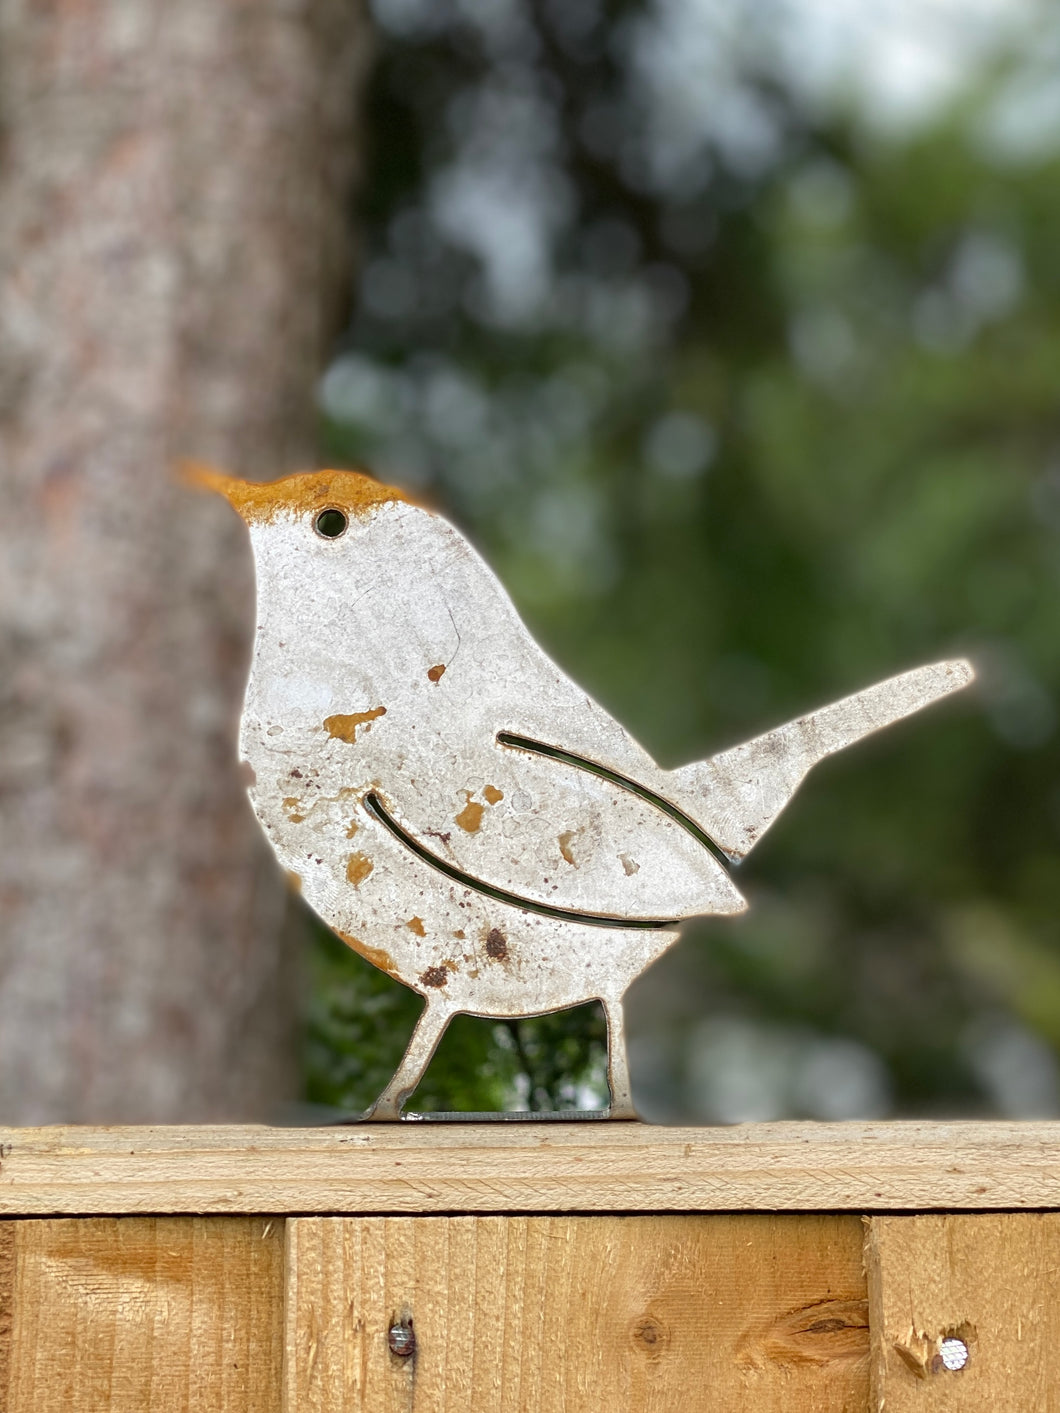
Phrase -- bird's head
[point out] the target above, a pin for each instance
(324, 503)
(309, 525)
(313, 535)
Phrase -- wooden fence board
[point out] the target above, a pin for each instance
(992, 1281)
(577, 1314)
(146, 1315)
(520, 1312)
(530, 1167)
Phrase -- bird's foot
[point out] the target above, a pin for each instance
(383, 1111)
(623, 1110)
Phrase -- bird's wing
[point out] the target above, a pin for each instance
(544, 832)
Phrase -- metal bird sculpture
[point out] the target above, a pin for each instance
(457, 809)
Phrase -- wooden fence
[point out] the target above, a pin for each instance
(531, 1268)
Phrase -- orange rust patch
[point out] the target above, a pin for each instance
(294, 881)
(493, 795)
(434, 976)
(497, 945)
(415, 924)
(291, 805)
(358, 868)
(630, 865)
(261, 502)
(344, 728)
(564, 846)
(436, 673)
(459, 936)
(352, 830)
(470, 817)
(375, 955)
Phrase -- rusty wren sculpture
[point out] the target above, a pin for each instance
(457, 809)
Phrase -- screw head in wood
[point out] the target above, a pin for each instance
(401, 1339)
(954, 1353)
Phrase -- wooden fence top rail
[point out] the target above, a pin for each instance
(530, 1167)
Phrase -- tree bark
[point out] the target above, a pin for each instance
(173, 234)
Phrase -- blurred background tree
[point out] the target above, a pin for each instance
(174, 261)
(729, 332)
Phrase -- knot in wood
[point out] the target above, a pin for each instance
(651, 1336)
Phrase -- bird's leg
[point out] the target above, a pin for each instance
(617, 1061)
(429, 1030)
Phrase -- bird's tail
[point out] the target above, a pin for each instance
(737, 795)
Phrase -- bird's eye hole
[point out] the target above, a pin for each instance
(331, 523)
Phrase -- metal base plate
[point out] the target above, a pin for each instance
(561, 1116)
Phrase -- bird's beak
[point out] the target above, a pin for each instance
(197, 473)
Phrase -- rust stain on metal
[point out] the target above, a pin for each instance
(415, 924)
(459, 935)
(564, 846)
(492, 795)
(352, 829)
(376, 955)
(631, 866)
(305, 492)
(293, 805)
(470, 817)
(497, 945)
(434, 976)
(344, 727)
(436, 673)
(358, 867)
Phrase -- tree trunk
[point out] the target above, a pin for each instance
(173, 187)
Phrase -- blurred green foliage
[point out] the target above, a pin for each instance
(740, 435)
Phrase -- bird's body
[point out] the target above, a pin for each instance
(452, 804)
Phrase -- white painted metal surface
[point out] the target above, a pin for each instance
(390, 673)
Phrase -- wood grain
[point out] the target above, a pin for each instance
(577, 1314)
(530, 1167)
(7, 1295)
(147, 1316)
(992, 1281)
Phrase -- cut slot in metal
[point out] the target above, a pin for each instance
(375, 807)
(539, 748)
